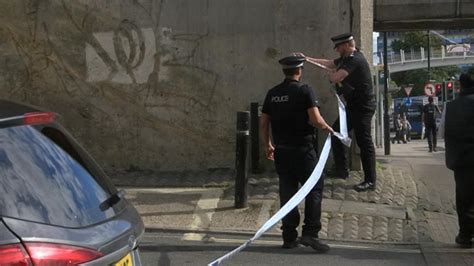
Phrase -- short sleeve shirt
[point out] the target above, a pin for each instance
(287, 105)
(357, 86)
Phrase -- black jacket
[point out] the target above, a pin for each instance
(459, 132)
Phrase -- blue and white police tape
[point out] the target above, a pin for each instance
(302, 192)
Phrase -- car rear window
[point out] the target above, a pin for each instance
(40, 182)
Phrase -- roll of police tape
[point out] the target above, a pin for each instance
(302, 192)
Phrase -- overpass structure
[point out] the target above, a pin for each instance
(408, 15)
(410, 60)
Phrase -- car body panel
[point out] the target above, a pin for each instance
(47, 172)
(6, 236)
(99, 237)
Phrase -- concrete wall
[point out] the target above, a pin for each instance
(155, 84)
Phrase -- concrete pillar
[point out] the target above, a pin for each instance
(362, 28)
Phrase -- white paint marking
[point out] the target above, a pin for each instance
(167, 190)
(264, 214)
(98, 70)
(202, 220)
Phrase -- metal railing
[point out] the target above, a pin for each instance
(421, 55)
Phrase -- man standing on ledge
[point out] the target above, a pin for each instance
(351, 73)
(291, 108)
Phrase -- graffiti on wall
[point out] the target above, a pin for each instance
(131, 52)
(136, 77)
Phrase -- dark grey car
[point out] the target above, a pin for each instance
(57, 207)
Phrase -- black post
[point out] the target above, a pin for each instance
(444, 94)
(429, 57)
(241, 150)
(386, 118)
(254, 135)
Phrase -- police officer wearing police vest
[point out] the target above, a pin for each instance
(291, 109)
(351, 73)
(459, 143)
(428, 117)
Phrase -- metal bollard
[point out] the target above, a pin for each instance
(254, 136)
(241, 150)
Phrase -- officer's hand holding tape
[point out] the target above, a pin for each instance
(328, 130)
(270, 152)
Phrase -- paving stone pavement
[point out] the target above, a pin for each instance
(396, 192)
(445, 226)
(160, 179)
(367, 216)
(402, 210)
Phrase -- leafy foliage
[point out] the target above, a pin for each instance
(415, 40)
(418, 77)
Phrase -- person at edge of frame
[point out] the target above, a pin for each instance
(351, 72)
(428, 117)
(459, 143)
(405, 129)
(292, 110)
(397, 127)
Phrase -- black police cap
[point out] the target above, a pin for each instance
(342, 38)
(292, 61)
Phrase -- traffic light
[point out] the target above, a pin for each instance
(438, 89)
(449, 85)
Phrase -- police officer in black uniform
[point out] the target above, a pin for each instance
(459, 142)
(351, 73)
(428, 117)
(291, 109)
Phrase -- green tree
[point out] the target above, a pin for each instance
(414, 40)
(418, 77)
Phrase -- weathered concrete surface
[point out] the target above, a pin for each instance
(155, 84)
(406, 15)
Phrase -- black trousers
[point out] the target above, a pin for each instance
(430, 131)
(361, 123)
(294, 165)
(465, 200)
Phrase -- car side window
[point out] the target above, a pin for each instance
(61, 140)
(41, 182)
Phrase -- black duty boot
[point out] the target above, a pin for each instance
(315, 243)
(364, 186)
(290, 244)
(463, 241)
